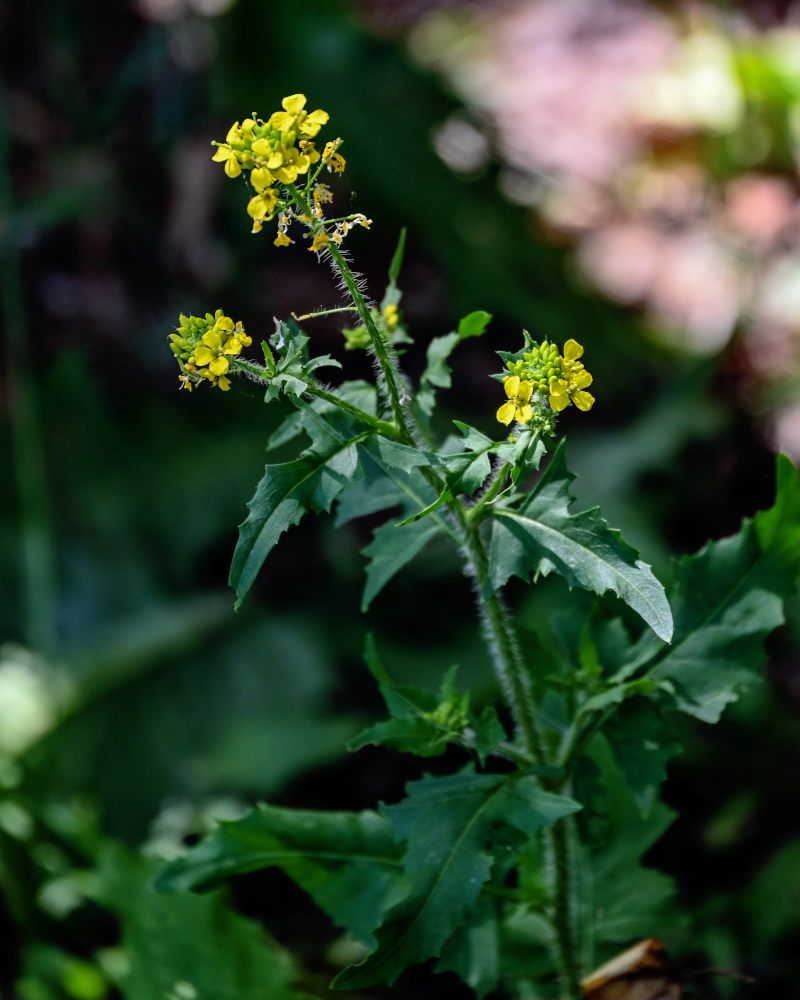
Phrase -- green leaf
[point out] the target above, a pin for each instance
(394, 546)
(287, 491)
(488, 733)
(420, 723)
(391, 548)
(401, 457)
(468, 470)
(349, 863)
(540, 535)
(642, 744)
(620, 898)
(727, 598)
(397, 258)
(473, 952)
(437, 372)
(473, 324)
(291, 373)
(449, 824)
(778, 529)
(182, 946)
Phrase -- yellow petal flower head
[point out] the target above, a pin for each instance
(562, 378)
(574, 379)
(276, 152)
(295, 119)
(203, 346)
(518, 407)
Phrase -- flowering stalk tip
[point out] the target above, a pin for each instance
(203, 347)
(544, 380)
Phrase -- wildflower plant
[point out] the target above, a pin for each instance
(521, 870)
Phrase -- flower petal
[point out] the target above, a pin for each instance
(212, 339)
(582, 380)
(511, 385)
(218, 366)
(506, 413)
(294, 104)
(524, 392)
(583, 400)
(524, 413)
(572, 350)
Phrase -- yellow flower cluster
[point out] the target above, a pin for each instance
(542, 370)
(203, 345)
(276, 151)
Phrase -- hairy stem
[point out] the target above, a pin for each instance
(391, 377)
(557, 842)
(504, 646)
(261, 374)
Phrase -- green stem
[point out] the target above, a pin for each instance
(495, 487)
(391, 377)
(558, 841)
(324, 312)
(504, 646)
(384, 427)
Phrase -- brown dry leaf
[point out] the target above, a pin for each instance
(640, 973)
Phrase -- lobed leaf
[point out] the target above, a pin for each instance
(449, 825)
(349, 863)
(437, 372)
(288, 490)
(727, 599)
(181, 946)
(540, 535)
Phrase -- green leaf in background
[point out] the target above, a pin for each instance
(540, 536)
(727, 599)
(185, 946)
(449, 825)
(349, 863)
(288, 491)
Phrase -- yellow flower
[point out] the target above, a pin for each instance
(262, 206)
(333, 161)
(282, 240)
(226, 155)
(294, 119)
(391, 317)
(203, 345)
(569, 388)
(321, 239)
(518, 406)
